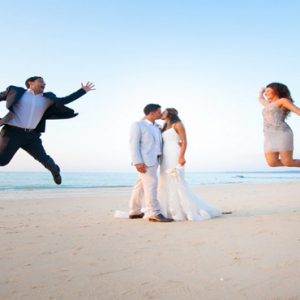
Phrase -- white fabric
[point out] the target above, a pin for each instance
(176, 198)
(29, 110)
(145, 143)
(155, 130)
(145, 187)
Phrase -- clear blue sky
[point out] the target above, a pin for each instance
(206, 58)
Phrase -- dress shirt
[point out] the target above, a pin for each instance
(29, 110)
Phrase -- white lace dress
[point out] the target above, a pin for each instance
(176, 198)
(278, 134)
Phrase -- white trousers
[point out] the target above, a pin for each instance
(145, 186)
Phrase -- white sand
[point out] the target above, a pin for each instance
(65, 244)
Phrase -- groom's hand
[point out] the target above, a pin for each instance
(141, 168)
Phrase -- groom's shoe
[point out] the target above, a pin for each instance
(160, 218)
(138, 216)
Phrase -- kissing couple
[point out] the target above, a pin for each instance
(169, 197)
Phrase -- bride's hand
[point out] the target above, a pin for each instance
(181, 161)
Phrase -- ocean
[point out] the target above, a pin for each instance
(71, 180)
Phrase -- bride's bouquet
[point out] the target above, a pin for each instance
(175, 172)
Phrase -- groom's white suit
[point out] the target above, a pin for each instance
(145, 147)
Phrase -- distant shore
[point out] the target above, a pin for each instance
(65, 244)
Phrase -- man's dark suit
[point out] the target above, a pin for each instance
(11, 139)
(56, 111)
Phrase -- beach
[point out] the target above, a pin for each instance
(66, 244)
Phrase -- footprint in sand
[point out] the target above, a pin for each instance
(77, 249)
(64, 270)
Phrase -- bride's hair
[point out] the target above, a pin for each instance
(172, 116)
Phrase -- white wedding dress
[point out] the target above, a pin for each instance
(176, 198)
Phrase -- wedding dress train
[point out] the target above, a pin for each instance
(176, 198)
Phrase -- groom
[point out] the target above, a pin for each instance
(146, 149)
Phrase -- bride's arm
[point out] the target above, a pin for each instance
(179, 128)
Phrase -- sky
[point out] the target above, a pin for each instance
(206, 58)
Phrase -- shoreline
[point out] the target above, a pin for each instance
(43, 181)
(65, 244)
(96, 188)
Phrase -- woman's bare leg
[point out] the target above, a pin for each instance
(273, 160)
(287, 159)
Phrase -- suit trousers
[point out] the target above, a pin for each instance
(145, 186)
(12, 139)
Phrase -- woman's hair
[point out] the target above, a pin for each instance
(282, 91)
(172, 116)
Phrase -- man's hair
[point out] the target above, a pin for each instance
(150, 108)
(30, 79)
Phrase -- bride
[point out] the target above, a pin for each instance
(176, 198)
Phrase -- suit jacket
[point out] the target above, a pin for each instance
(57, 110)
(143, 144)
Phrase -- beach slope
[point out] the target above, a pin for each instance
(66, 244)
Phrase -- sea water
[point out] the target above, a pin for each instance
(43, 180)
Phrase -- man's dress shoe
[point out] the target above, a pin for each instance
(57, 179)
(160, 218)
(56, 175)
(138, 216)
